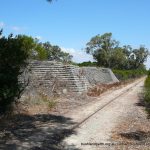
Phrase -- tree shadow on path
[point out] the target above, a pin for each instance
(37, 132)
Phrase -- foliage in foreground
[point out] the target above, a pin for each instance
(14, 52)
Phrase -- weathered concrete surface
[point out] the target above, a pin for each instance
(50, 75)
(97, 75)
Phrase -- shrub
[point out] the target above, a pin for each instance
(147, 82)
(129, 74)
(87, 64)
(147, 90)
(147, 93)
(13, 61)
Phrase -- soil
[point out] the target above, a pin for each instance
(123, 124)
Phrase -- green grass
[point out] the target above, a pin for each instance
(147, 82)
(123, 75)
(147, 94)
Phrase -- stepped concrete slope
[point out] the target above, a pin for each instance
(51, 74)
(97, 75)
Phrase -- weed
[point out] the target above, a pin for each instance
(147, 94)
(51, 104)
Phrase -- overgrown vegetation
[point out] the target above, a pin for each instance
(88, 63)
(45, 51)
(123, 75)
(147, 93)
(14, 52)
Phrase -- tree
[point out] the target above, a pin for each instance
(66, 57)
(107, 52)
(38, 51)
(135, 57)
(49, 0)
(118, 58)
(14, 53)
(55, 53)
(101, 47)
(141, 55)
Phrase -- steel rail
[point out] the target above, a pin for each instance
(102, 107)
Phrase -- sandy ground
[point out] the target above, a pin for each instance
(50, 131)
(97, 130)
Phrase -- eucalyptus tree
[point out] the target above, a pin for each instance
(107, 52)
(102, 47)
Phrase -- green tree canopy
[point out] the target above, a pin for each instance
(107, 52)
(14, 53)
(101, 47)
(55, 53)
(43, 51)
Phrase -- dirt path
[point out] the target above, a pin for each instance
(68, 131)
(98, 128)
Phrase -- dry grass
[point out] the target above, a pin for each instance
(97, 90)
(41, 103)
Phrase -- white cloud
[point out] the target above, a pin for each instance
(81, 56)
(38, 37)
(2, 24)
(78, 55)
(16, 28)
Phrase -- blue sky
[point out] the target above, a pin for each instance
(71, 23)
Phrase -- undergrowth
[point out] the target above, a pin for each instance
(123, 75)
(147, 94)
(98, 89)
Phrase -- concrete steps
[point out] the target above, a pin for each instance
(64, 73)
(74, 78)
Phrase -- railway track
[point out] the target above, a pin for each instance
(105, 105)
